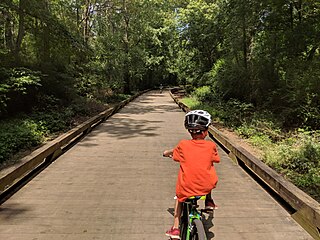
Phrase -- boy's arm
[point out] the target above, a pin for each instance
(168, 153)
(215, 156)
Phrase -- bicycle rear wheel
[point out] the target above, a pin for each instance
(184, 222)
(198, 233)
(183, 230)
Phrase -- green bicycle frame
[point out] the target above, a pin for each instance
(193, 214)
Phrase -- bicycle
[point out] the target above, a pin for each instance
(191, 226)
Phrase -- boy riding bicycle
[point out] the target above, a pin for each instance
(197, 175)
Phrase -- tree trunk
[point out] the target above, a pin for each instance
(21, 31)
(8, 40)
(78, 15)
(299, 9)
(244, 43)
(126, 74)
(85, 22)
(45, 51)
(291, 15)
(90, 7)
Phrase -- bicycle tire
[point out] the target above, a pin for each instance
(199, 233)
(183, 230)
(184, 223)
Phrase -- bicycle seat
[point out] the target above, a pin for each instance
(196, 198)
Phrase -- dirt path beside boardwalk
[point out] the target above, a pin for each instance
(115, 184)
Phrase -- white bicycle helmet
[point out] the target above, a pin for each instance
(197, 119)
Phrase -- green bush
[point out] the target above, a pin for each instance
(203, 94)
(260, 127)
(194, 103)
(16, 86)
(54, 121)
(233, 113)
(298, 158)
(25, 132)
(18, 135)
(232, 81)
(294, 155)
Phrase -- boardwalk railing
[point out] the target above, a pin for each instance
(13, 177)
(306, 209)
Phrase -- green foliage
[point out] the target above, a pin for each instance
(237, 112)
(218, 66)
(203, 94)
(216, 111)
(262, 124)
(200, 34)
(295, 155)
(192, 103)
(231, 112)
(118, 98)
(15, 84)
(259, 52)
(260, 131)
(53, 120)
(301, 98)
(21, 78)
(235, 55)
(19, 134)
(26, 132)
(87, 85)
(232, 82)
(298, 159)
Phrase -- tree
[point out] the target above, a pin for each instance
(200, 36)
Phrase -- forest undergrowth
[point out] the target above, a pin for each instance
(294, 153)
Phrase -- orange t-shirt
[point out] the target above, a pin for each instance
(197, 175)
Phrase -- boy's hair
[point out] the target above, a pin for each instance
(196, 131)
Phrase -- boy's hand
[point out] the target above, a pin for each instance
(168, 153)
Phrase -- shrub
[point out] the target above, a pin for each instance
(194, 103)
(234, 112)
(260, 127)
(17, 135)
(17, 88)
(295, 155)
(298, 159)
(204, 94)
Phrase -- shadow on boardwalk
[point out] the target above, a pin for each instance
(128, 124)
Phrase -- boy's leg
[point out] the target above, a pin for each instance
(177, 214)
(174, 231)
(208, 196)
(209, 203)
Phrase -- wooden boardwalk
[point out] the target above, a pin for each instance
(115, 184)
